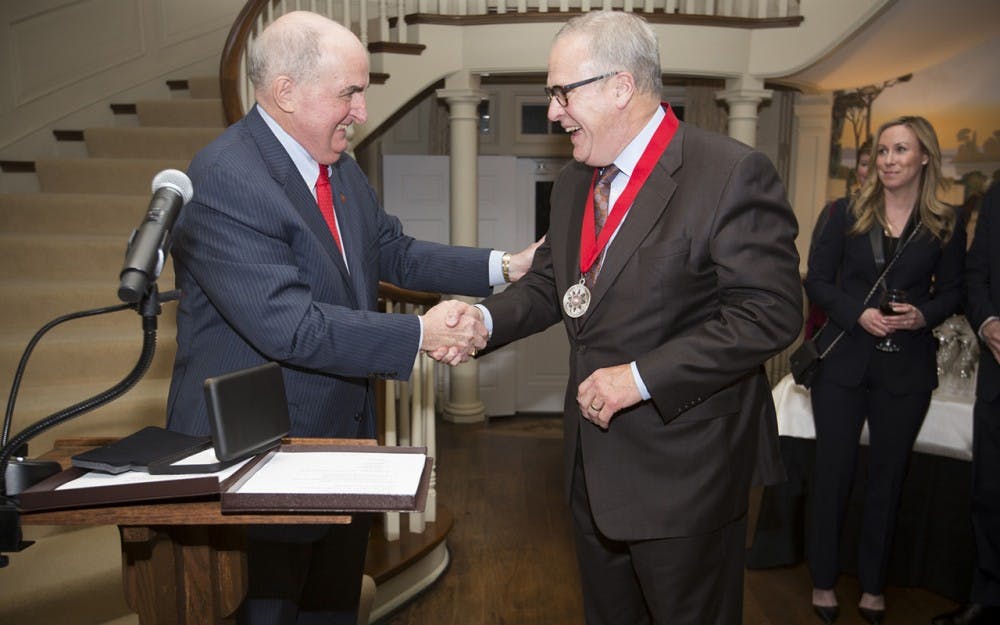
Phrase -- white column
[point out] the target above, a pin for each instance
(744, 95)
(461, 92)
(807, 187)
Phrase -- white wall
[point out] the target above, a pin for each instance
(63, 61)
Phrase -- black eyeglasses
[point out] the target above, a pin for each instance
(560, 92)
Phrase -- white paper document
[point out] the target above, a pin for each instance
(336, 472)
(93, 479)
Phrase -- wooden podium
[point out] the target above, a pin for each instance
(183, 562)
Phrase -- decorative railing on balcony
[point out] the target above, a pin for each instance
(379, 21)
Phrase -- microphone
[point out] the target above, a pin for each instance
(150, 242)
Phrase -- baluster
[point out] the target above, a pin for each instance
(383, 21)
(416, 519)
(563, 6)
(405, 413)
(430, 427)
(401, 35)
(709, 7)
(404, 402)
(362, 30)
(627, 7)
(346, 22)
(761, 9)
(543, 6)
(391, 520)
(522, 6)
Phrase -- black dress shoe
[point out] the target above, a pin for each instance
(872, 616)
(826, 613)
(972, 614)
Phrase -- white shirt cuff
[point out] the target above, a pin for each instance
(487, 318)
(496, 268)
(639, 384)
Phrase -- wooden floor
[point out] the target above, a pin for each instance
(512, 553)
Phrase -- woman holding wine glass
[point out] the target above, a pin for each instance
(887, 269)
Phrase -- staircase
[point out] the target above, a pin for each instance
(60, 251)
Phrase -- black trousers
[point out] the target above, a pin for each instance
(893, 424)
(986, 502)
(691, 580)
(305, 574)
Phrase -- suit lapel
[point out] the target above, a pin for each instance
(351, 234)
(284, 172)
(649, 205)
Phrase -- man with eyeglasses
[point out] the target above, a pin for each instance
(671, 305)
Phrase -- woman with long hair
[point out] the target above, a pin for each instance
(883, 367)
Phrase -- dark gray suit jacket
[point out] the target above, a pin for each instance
(699, 287)
(982, 280)
(262, 280)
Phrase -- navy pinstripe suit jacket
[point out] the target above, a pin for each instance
(262, 280)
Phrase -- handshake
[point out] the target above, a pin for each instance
(453, 332)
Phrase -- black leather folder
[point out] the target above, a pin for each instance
(138, 451)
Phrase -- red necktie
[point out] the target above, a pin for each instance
(324, 197)
(602, 191)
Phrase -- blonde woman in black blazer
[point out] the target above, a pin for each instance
(895, 211)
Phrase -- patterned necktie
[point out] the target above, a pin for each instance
(601, 193)
(324, 197)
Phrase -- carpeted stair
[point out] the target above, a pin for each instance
(61, 251)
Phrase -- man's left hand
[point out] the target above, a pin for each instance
(991, 336)
(520, 262)
(606, 392)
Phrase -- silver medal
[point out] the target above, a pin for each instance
(576, 300)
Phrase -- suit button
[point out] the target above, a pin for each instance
(357, 416)
(581, 348)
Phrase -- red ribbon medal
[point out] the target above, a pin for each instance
(591, 246)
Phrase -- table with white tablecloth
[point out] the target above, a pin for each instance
(947, 428)
(933, 546)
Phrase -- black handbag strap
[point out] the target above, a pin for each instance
(880, 280)
(878, 246)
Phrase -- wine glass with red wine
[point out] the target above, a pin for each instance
(888, 298)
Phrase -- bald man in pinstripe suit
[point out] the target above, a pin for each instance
(267, 277)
